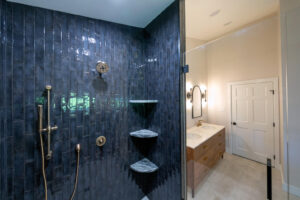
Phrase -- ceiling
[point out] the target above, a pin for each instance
(209, 19)
(138, 13)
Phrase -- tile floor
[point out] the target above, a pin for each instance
(236, 178)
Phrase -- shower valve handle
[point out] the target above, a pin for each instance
(53, 128)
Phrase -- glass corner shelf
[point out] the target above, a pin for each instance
(144, 133)
(144, 166)
(143, 101)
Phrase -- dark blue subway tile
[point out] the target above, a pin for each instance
(30, 123)
(29, 195)
(18, 132)
(18, 188)
(3, 132)
(29, 174)
(46, 47)
(66, 163)
(9, 181)
(29, 90)
(8, 78)
(19, 162)
(30, 146)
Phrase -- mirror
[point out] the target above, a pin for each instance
(196, 102)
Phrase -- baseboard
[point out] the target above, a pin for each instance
(292, 189)
(228, 150)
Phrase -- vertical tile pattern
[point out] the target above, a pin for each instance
(40, 47)
(162, 80)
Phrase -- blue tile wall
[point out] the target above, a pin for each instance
(40, 47)
(163, 73)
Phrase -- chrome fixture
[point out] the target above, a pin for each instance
(100, 141)
(102, 67)
(48, 129)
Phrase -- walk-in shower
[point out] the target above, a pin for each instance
(113, 75)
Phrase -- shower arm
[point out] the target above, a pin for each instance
(48, 129)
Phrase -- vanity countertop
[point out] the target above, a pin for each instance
(197, 135)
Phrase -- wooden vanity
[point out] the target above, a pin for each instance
(201, 158)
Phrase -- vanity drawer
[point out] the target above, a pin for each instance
(220, 136)
(189, 154)
(220, 145)
(203, 148)
(207, 159)
(209, 144)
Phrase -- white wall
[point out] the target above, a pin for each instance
(192, 43)
(250, 53)
(242, 55)
(290, 37)
(196, 59)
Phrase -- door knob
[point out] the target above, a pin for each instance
(233, 123)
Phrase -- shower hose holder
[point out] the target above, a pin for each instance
(49, 129)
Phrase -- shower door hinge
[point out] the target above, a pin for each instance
(185, 69)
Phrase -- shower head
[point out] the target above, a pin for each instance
(102, 67)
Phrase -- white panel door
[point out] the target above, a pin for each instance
(252, 120)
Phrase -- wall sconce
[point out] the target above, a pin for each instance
(189, 94)
(203, 94)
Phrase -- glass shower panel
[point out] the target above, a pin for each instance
(290, 40)
(214, 169)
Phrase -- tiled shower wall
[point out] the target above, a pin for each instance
(40, 47)
(162, 83)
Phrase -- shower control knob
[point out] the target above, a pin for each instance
(102, 67)
(100, 141)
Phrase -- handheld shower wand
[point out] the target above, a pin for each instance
(77, 170)
(49, 129)
(40, 111)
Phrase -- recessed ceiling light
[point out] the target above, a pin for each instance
(216, 12)
(226, 24)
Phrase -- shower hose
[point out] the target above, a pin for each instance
(44, 172)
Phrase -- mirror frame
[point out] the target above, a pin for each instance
(192, 100)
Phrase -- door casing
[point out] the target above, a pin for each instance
(275, 80)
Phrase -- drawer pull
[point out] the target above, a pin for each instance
(220, 143)
(205, 158)
(220, 135)
(204, 146)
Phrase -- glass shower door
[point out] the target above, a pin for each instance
(214, 171)
(290, 42)
(230, 175)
